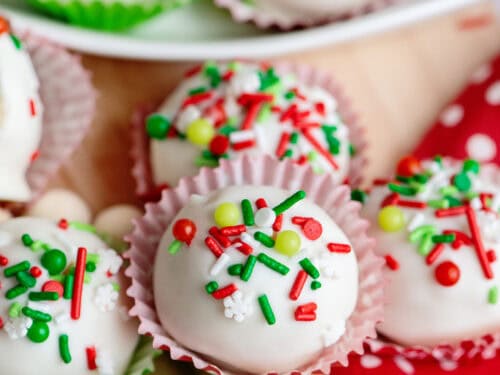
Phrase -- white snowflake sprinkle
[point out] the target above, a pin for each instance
(110, 260)
(106, 297)
(325, 265)
(18, 327)
(333, 333)
(236, 307)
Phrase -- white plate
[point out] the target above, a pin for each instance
(200, 31)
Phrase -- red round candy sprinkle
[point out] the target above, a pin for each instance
(184, 230)
(312, 229)
(63, 224)
(53, 286)
(35, 271)
(3, 260)
(447, 273)
(408, 166)
(219, 145)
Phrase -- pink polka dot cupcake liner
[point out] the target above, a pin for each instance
(69, 105)
(322, 190)
(242, 11)
(139, 152)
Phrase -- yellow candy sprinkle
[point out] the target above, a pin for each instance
(287, 243)
(227, 214)
(391, 219)
(200, 132)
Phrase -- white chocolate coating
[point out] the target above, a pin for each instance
(420, 310)
(20, 130)
(112, 333)
(57, 203)
(173, 158)
(117, 220)
(197, 320)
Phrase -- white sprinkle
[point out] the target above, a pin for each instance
(246, 237)
(495, 203)
(404, 365)
(44, 307)
(241, 136)
(104, 363)
(369, 361)
(476, 203)
(220, 264)
(5, 238)
(17, 327)
(236, 307)
(265, 217)
(186, 117)
(61, 318)
(417, 221)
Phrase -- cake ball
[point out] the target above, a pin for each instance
(20, 116)
(437, 225)
(255, 279)
(61, 306)
(225, 110)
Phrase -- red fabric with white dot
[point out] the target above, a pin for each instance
(469, 126)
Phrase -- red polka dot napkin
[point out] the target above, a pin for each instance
(470, 125)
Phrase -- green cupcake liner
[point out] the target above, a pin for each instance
(96, 14)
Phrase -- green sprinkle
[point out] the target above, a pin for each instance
(87, 279)
(246, 208)
(90, 267)
(248, 268)
(227, 129)
(205, 162)
(352, 150)
(462, 182)
(93, 257)
(333, 145)
(68, 286)
(16, 291)
(17, 42)
(54, 261)
(470, 195)
(444, 238)
(493, 295)
(174, 247)
(264, 239)
(59, 277)
(312, 156)
(197, 90)
(289, 95)
(64, 349)
(289, 202)
(288, 154)
(13, 270)
(211, 287)
(26, 279)
(438, 203)
(211, 71)
(235, 269)
(471, 165)
(38, 245)
(84, 227)
(15, 310)
(358, 195)
(294, 138)
(307, 266)
(27, 240)
(453, 202)
(315, 285)
(448, 190)
(404, 179)
(267, 310)
(38, 332)
(273, 264)
(265, 113)
(116, 286)
(426, 244)
(234, 66)
(417, 234)
(403, 190)
(157, 126)
(421, 178)
(36, 314)
(268, 79)
(43, 296)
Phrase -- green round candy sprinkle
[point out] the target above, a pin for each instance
(38, 332)
(227, 214)
(90, 267)
(27, 240)
(54, 261)
(287, 243)
(358, 195)
(471, 165)
(315, 285)
(391, 219)
(462, 182)
(157, 126)
(211, 287)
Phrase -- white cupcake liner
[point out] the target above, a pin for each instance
(242, 12)
(265, 170)
(140, 155)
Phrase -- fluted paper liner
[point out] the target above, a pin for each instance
(242, 12)
(68, 99)
(265, 170)
(139, 152)
(450, 355)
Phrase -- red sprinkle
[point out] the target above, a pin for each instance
(299, 220)
(91, 357)
(197, 98)
(391, 262)
(222, 240)
(1, 323)
(447, 273)
(298, 285)
(478, 243)
(213, 246)
(3, 260)
(234, 230)
(491, 255)
(36, 272)
(339, 247)
(298, 94)
(408, 166)
(32, 108)
(254, 98)
(261, 203)
(224, 292)
(278, 223)
(453, 211)
(308, 307)
(243, 247)
(301, 160)
(76, 301)
(391, 200)
(323, 151)
(306, 313)
(53, 286)
(219, 145)
(184, 230)
(434, 254)
(320, 108)
(63, 224)
(289, 114)
(461, 238)
(412, 204)
(381, 181)
(252, 113)
(243, 145)
(282, 145)
(193, 71)
(228, 75)
(312, 229)
(35, 155)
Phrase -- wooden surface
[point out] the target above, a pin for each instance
(398, 81)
